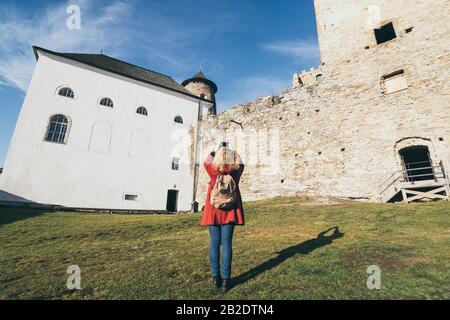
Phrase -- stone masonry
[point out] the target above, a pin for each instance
(338, 132)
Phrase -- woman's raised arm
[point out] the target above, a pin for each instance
(208, 165)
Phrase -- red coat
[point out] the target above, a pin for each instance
(214, 216)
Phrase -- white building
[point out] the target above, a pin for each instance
(96, 132)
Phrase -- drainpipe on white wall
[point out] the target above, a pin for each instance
(197, 153)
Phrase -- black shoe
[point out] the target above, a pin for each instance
(226, 284)
(217, 282)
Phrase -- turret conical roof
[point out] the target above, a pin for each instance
(200, 76)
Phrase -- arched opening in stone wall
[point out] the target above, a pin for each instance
(417, 163)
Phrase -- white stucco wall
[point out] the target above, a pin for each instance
(93, 174)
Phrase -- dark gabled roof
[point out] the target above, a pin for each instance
(122, 68)
(200, 76)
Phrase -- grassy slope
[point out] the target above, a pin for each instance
(165, 257)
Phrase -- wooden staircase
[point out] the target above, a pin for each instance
(406, 186)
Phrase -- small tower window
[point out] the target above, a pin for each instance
(107, 102)
(385, 33)
(319, 77)
(142, 111)
(393, 82)
(178, 119)
(175, 164)
(66, 92)
(57, 129)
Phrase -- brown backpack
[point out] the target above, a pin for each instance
(223, 194)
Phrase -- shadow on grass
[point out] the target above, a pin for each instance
(12, 214)
(302, 248)
(14, 208)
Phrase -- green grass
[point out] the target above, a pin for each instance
(166, 257)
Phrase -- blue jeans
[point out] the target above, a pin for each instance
(221, 236)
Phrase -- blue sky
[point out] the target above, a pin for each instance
(249, 48)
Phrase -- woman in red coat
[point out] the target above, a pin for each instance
(221, 222)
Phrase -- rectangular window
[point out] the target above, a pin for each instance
(394, 82)
(131, 197)
(385, 33)
(175, 164)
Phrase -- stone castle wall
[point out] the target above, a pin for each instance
(339, 136)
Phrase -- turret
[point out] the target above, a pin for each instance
(202, 87)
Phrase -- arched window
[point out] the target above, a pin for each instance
(107, 102)
(66, 92)
(142, 111)
(178, 119)
(57, 129)
(319, 77)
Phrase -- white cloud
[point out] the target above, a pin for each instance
(298, 49)
(247, 89)
(47, 28)
(119, 29)
(2, 83)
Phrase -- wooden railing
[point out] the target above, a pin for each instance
(407, 174)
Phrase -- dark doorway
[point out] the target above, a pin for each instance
(172, 201)
(417, 163)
